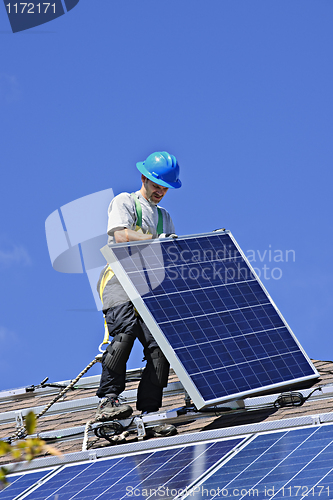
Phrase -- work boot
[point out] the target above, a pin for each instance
(110, 409)
(162, 430)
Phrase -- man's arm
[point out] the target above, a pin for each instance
(124, 235)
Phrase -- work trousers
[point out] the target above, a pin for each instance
(124, 319)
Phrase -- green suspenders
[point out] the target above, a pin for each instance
(138, 207)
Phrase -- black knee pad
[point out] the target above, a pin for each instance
(118, 351)
(161, 367)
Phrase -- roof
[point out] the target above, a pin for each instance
(63, 424)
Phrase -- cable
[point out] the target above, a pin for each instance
(109, 429)
(293, 398)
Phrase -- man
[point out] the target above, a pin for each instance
(134, 217)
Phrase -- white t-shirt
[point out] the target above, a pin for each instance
(122, 213)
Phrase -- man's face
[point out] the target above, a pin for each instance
(153, 192)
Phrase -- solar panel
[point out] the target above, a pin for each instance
(19, 483)
(211, 316)
(137, 476)
(292, 464)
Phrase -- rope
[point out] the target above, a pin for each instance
(58, 396)
(21, 432)
(86, 430)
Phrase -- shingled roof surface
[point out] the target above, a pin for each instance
(79, 405)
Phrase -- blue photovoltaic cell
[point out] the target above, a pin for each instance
(20, 483)
(292, 464)
(117, 478)
(215, 314)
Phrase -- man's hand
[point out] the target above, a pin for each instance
(168, 235)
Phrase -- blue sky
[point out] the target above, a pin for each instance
(239, 91)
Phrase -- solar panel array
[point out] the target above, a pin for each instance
(19, 483)
(291, 464)
(211, 315)
(294, 463)
(138, 475)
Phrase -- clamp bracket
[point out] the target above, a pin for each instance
(140, 428)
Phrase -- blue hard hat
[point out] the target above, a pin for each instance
(161, 168)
